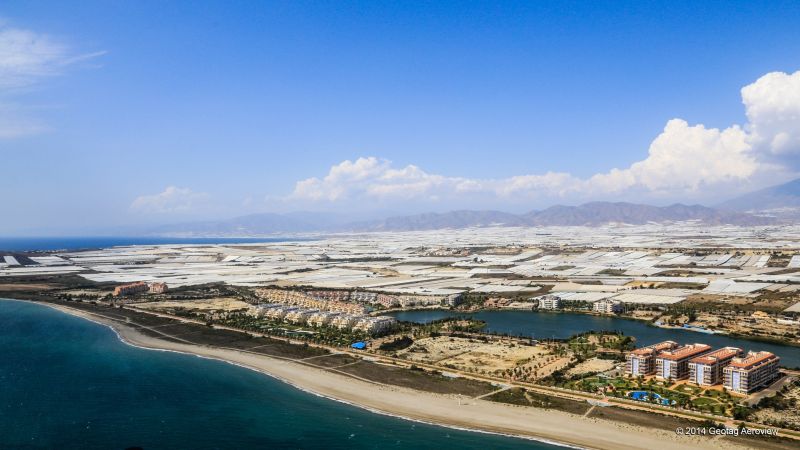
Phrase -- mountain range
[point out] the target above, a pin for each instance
(589, 214)
(781, 200)
(777, 204)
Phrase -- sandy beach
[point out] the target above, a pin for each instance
(448, 410)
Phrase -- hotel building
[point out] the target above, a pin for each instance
(642, 361)
(706, 370)
(674, 364)
(130, 289)
(754, 371)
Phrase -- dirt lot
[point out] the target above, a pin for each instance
(13, 287)
(215, 304)
(483, 357)
(591, 365)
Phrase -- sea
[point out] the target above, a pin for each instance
(23, 244)
(66, 382)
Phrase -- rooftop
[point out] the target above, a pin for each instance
(753, 359)
(684, 352)
(650, 349)
(717, 355)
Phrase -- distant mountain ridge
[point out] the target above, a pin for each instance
(588, 214)
(599, 213)
(784, 196)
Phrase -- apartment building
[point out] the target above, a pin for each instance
(706, 370)
(674, 364)
(607, 306)
(753, 372)
(642, 361)
(549, 302)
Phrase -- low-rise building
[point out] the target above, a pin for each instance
(344, 321)
(322, 318)
(755, 371)
(280, 312)
(261, 310)
(299, 316)
(642, 361)
(375, 325)
(607, 306)
(363, 296)
(706, 370)
(674, 364)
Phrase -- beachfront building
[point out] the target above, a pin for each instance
(607, 306)
(642, 361)
(674, 364)
(753, 372)
(549, 302)
(375, 325)
(131, 289)
(158, 288)
(706, 370)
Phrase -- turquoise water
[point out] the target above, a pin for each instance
(69, 383)
(542, 325)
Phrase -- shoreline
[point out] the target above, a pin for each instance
(546, 426)
(744, 337)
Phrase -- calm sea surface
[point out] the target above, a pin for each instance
(69, 383)
(541, 325)
(21, 244)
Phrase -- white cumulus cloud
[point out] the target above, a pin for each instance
(684, 161)
(170, 201)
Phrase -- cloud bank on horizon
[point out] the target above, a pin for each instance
(685, 161)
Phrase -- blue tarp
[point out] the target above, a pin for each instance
(359, 345)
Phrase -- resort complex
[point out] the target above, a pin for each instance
(699, 365)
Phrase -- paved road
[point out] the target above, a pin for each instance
(770, 391)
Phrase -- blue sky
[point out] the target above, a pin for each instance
(154, 112)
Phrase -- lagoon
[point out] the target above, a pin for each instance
(548, 325)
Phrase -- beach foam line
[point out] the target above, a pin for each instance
(83, 315)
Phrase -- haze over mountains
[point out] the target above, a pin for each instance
(589, 214)
(777, 204)
(781, 200)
